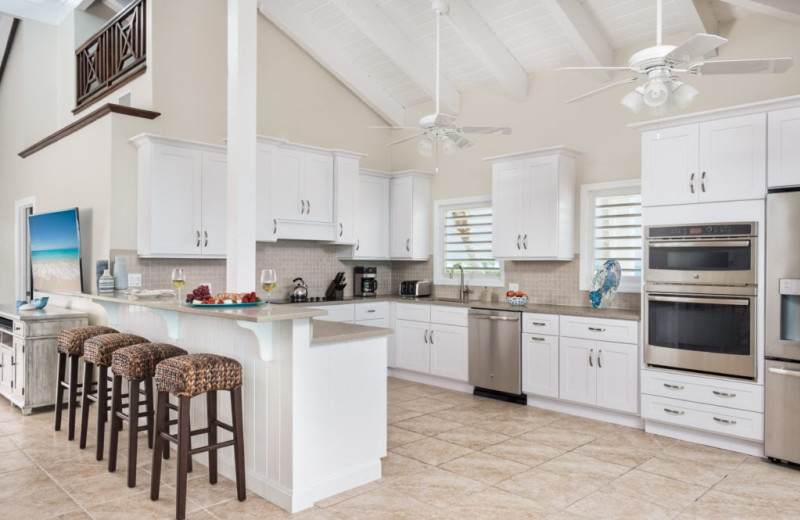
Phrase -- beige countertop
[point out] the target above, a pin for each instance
(11, 312)
(331, 332)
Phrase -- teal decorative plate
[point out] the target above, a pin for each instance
(217, 305)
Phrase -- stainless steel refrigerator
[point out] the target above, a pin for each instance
(782, 386)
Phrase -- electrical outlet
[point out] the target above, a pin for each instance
(513, 287)
(134, 280)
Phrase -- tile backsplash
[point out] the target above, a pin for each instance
(554, 283)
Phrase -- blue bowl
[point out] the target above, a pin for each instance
(40, 302)
(20, 302)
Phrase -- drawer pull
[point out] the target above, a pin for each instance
(198, 239)
(341, 229)
(370, 310)
(591, 351)
(425, 336)
(723, 394)
(675, 412)
(430, 336)
(534, 338)
(540, 323)
(599, 359)
(724, 421)
(673, 387)
(597, 329)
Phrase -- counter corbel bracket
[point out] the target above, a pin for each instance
(171, 320)
(263, 334)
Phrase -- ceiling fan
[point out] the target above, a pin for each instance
(661, 64)
(439, 128)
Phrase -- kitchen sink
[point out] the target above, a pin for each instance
(451, 300)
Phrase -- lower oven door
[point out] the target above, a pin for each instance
(703, 333)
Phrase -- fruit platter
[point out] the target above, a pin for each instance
(201, 296)
(517, 298)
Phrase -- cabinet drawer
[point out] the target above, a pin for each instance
(618, 331)
(341, 313)
(372, 310)
(413, 312)
(450, 315)
(715, 419)
(540, 323)
(730, 394)
(19, 328)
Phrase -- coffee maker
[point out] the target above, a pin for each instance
(366, 281)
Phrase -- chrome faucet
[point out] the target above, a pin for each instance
(463, 290)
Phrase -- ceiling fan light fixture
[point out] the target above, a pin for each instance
(425, 147)
(656, 93)
(448, 146)
(682, 94)
(633, 100)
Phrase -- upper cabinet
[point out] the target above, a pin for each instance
(533, 201)
(345, 174)
(710, 161)
(181, 198)
(783, 158)
(371, 209)
(410, 216)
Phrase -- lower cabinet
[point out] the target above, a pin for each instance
(432, 340)
(540, 354)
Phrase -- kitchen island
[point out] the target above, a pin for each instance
(314, 394)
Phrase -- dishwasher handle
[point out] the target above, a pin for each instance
(493, 318)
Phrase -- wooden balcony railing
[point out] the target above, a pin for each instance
(113, 56)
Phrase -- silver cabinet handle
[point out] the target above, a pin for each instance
(703, 182)
(341, 229)
(691, 183)
(724, 421)
(674, 412)
(519, 237)
(534, 338)
(525, 241)
(539, 324)
(274, 226)
(591, 351)
(205, 236)
(430, 337)
(425, 336)
(302, 207)
(370, 310)
(673, 387)
(597, 329)
(308, 206)
(198, 239)
(599, 359)
(785, 372)
(358, 244)
(408, 244)
(722, 394)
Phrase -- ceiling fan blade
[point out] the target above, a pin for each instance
(403, 140)
(459, 140)
(604, 87)
(491, 130)
(593, 68)
(696, 46)
(394, 127)
(768, 65)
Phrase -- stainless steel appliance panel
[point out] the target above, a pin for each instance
(783, 276)
(494, 350)
(782, 412)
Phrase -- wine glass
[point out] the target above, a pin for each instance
(268, 280)
(178, 281)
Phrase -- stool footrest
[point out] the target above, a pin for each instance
(203, 449)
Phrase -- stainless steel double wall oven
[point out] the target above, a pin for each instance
(700, 298)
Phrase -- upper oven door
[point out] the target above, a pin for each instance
(701, 261)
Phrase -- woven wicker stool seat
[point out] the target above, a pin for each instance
(97, 352)
(137, 364)
(186, 377)
(197, 374)
(70, 347)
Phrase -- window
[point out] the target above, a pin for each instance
(611, 227)
(463, 235)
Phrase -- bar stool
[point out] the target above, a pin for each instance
(186, 377)
(97, 352)
(70, 346)
(137, 364)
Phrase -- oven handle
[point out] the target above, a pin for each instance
(703, 243)
(722, 301)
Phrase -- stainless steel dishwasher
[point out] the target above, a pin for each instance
(495, 353)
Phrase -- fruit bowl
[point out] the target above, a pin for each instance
(517, 300)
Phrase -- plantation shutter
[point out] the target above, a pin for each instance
(618, 232)
(468, 241)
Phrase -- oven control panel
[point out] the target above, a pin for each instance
(702, 230)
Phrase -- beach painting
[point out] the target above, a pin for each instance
(56, 251)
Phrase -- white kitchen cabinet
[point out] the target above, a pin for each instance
(540, 364)
(411, 345)
(783, 148)
(181, 198)
(711, 161)
(345, 169)
(410, 216)
(449, 351)
(342, 313)
(372, 218)
(533, 201)
(267, 154)
(7, 369)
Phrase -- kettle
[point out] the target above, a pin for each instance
(300, 291)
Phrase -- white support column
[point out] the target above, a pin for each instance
(242, 63)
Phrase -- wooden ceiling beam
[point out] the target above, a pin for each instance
(330, 56)
(786, 9)
(482, 41)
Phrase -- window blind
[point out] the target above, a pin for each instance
(468, 241)
(618, 232)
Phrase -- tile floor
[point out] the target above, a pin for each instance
(451, 456)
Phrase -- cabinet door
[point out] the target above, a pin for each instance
(175, 200)
(577, 370)
(669, 166)
(449, 351)
(318, 187)
(19, 366)
(346, 193)
(617, 376)
(411, 345)
(285, 197)
(508, 209)
(540, 365)
(784, 153)
(733, 159)
(215, 202)
(540, 227)
(372, 240)
(6, 368)
(400, 219)
(266, 227)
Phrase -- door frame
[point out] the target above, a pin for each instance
(23, 277)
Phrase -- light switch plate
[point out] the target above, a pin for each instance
(134, 280)
(513, 287)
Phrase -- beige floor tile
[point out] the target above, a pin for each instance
(393, 383)
(694, 472)
(526, 452)
(761, 485)
(395, 414)
(616, 506)
(761, 469)
(554, 490)
(341, 497)
(557, 437)
(13, 460)
(396, 437)
(691, 451)
(506, 425)
(74, 515)
(398, 396)
(468, 413)
(169, 470)
(535, 415)
(438, 487)
(22, 481)
(383, 503)
(611, 449)
(484, 467)
(120, 509)
(457, 398)
(428, 425)
(253, 508)
(96, 489)
(726, 511)
(396, 467)
(424, 405)
(42, 501)
(472, 438)
(495, 504)
(584, 425)
(585, 469)
(432, 451)
(641, 439)
(667, 492)
(199, 490)
(422, 390)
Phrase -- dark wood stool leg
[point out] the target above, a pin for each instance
(88, 370)
(238, 447)
(158, 445)
(148, 391)
(62, 372)
(102, 408)
(211, 406)
(184, 434)
(72, 406)
(133, 430)
(116, 422)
